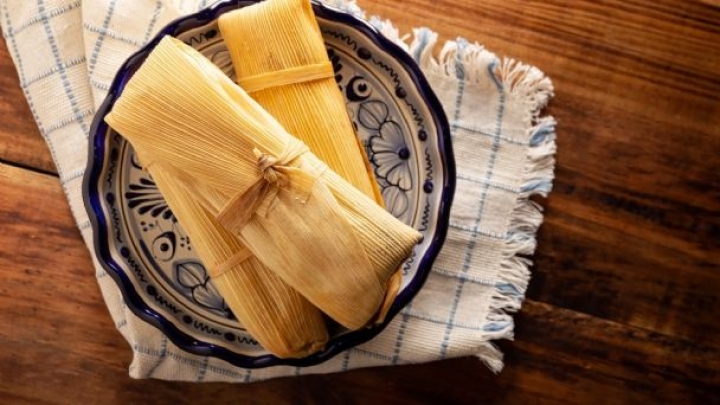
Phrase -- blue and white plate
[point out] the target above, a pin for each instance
(140, 243)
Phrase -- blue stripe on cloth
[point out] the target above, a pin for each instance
(54, 70)
(203, 369)
(493, 184)
(492, 135)
(345, 361)
(460, 73)
(163, 353)
(145, 350)
(101, 37)
(374, 355)
(183, 360)
(423, 34)
(544, 133)
(496, 326)
(498, 84)
(463, 276)
(444, 322)
(61, 69)
(483, 198)
(67, 121)
(153, 21)
(508, 288)
(401, 334)
(21, 70)
(476, 231)
(53, 13)
(537, 187)
(108, 33)
(99, 86)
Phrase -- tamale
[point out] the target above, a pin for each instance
(280, 59)
(278, 317)
(322, 236)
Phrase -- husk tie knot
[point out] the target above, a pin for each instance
(284, 171)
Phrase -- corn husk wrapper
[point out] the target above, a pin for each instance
(323, 237)
(277, 316)
(280, 59)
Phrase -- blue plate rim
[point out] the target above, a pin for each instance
(137, 305)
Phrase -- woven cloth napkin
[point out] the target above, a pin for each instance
(68, 51)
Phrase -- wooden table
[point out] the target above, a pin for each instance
(623, 305)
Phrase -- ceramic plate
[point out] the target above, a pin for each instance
(141, 244)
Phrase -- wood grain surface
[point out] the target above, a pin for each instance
(623, 304)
